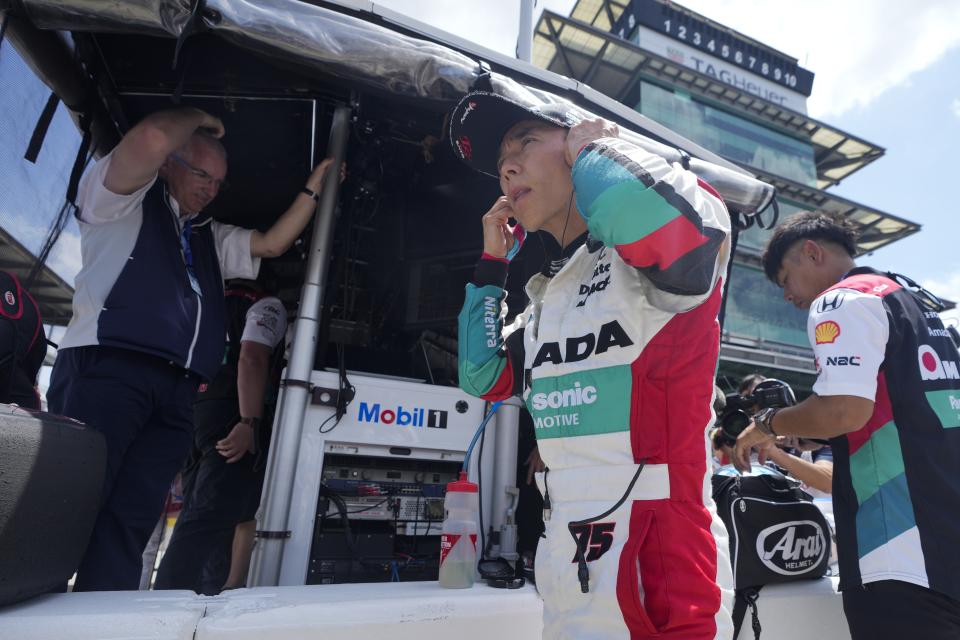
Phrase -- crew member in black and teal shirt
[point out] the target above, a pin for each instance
(888, 397)
(148, 317)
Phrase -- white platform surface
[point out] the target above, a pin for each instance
(108, 615)
(398, 611)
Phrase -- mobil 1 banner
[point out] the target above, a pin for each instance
(387, 412)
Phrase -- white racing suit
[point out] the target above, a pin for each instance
(615, 357)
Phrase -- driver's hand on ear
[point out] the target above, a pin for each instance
(585, 132)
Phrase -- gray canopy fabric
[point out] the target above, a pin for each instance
(363, 53)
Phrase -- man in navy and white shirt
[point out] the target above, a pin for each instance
(148, 316)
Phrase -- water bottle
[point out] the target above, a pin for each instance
(458, 540)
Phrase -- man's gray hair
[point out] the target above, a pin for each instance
(201, 137)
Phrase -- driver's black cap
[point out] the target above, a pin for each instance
(481, 119)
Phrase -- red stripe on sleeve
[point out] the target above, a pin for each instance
(706, 186)
(664, 246)
(503, 387)
(882, 414)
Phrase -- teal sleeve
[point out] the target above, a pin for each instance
(660, 218)
(484, 365)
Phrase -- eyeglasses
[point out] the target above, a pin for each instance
(200, 174)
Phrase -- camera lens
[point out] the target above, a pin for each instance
(734, 423)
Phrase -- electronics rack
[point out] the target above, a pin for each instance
(394, 512)
(367, 502)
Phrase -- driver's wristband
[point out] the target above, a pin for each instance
(491, 270)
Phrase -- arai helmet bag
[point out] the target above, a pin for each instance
(776, 535)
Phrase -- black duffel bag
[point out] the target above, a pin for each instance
(776, 535)
(51, 476)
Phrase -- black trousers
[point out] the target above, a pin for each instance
(894, 609)
(144, 408)
(217, 496)
(529, 514)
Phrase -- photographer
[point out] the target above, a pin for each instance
(790, 454)
(809, 462)
(886, 395)
(754, 394)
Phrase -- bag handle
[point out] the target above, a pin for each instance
(746, 597)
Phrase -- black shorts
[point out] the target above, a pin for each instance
(894, 609)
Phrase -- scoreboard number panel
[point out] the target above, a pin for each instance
(724, 45)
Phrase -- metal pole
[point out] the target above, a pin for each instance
(278, 485)
(504, 490)
(525, 35)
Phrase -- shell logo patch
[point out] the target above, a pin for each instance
(8, 297)
(827, 332)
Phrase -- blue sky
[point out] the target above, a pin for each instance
(31, 194)
(919, 124)
(885, 71)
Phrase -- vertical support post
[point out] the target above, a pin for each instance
(288, 426)
(525, 33)
(504, 489)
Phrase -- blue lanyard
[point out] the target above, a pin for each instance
(185, 244)
(188, 256)
(185, 249)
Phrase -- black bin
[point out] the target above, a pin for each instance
(51, 476)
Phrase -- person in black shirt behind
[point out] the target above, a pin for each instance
(23, 344)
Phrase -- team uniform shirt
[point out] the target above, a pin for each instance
(250, 318)
(896, 481)
(615, 357)
(110, 226)
(266, 322)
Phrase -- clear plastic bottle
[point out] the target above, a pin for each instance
(458, 541)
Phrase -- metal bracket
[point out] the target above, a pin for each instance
(291, 382)
(483, 81)
(272, 535)
(324, 396)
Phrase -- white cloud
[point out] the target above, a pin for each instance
(65, 255)
(493, 23)
(857, 49)
(27, 231)
(64, 258)
(955, 107)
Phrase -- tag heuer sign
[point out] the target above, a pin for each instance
(792, 548)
